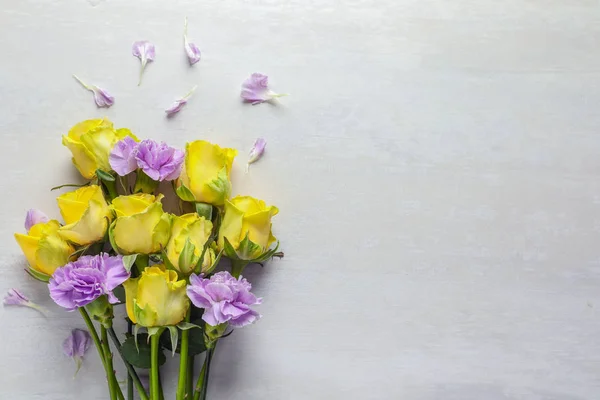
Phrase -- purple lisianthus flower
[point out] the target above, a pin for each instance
(255, 89)
(158, 160)
(80, 282)
(224, 298)
(121, 158)
(75, 346)
(34, 217)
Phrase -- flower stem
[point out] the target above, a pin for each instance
(190, 378)
(132, 376)
(154, 379)
(183, 361)
(110, 372)
(202, 385)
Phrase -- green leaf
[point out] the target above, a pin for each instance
(184, 193)
(128, 261)
(247, 247)
(267, 255)
(204, 210)
(229, 250)
(195, 340)
(119, 293)
(167, 262)
(214, 264)
(154, 330)
(186, 257)
(37, 275)
(140, 358)
(184, 326)
(105, 176)
(174, 338)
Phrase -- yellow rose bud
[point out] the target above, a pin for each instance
(189, 234)
(141, 225)
(91, 142)
(44, 249)
(205, 174)
(247, 217)
(86, 215)
(156, 298)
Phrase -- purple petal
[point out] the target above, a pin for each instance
(245, 319)
(77, 343)
(102, 97)
(158, 160)
(193, 52)
(33, 217)
(257, 151)
(122, 160)
(255, 88)
(15, 298)
(219, 292)
(175, 107)
(116, 273)
(144, 50)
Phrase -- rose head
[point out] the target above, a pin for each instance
(81, 282)
(224, 298)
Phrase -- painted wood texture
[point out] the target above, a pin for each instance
(436, 166)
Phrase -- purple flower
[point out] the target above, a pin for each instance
(256, 152)
(34, 217)
(122, 159)
(224, 298)
(255, 89)
(75, 346)
(178, 104)
(14, 297)
(159, 161)
(192, 51)
(145, 51)
(101, 96)
(80, 282)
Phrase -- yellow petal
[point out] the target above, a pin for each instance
(125, 206)
(231, 226)
(53, 252)
(258, 228)
(159, 291)
(130, 286)
(84, 160)
(134, 234)
(91, 227)
(86, 126)
(100, 142)
(73, 204)
(44, 229)
(29, 247)
(124, 132)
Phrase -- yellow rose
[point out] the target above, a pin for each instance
(141, 225)
(44, 249)
(86, 215)
(205, 173)
(189, 234)
(247, 227)
(156, 298)
(91, 142)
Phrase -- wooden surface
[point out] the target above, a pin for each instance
(436, 166)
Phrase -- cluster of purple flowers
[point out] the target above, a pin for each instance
(158, 160)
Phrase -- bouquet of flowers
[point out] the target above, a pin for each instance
(147, 231)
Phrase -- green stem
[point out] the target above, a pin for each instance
(130, 369)
(190, 378)
(110, 372)
(202, 385)
(237, 267)
(183, 361)
(154, 379)
(92, 330)
(132, 375)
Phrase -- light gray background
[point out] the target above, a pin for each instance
(437, 170)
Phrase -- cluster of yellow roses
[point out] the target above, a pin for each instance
(135, 223)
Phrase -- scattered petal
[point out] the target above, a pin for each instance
(178, 104)
(144, 50)
(256, 152)
(101, 96)
(255, 89)
(192, 51)
(34, 217)
(15, 297)
(75, 346)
